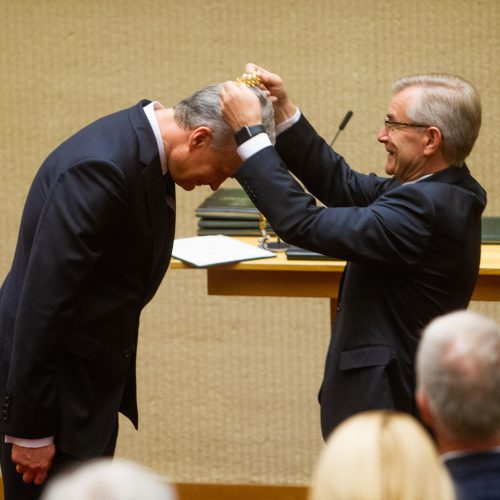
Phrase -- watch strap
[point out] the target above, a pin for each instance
(247, 132)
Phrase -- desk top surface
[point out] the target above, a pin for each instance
(490, 262)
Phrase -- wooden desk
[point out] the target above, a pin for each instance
(279, 277)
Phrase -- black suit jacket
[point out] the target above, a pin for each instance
(476, 475)
(413, 253)
(94, 243)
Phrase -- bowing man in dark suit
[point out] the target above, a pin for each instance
(94, 243)
(458, 394)
(412, 240)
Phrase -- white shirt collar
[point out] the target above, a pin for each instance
(150, 109)
(455, 454)
(417, 180)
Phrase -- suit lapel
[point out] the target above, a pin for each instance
(161, 213)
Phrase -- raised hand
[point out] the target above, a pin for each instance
(283, 106)
(240, 106)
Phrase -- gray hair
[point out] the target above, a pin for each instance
(203, 109)
(449, 103)
(458, 370)
(104, 479)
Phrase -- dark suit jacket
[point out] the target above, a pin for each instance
(94, 243)
(476, 475)
(413, 253)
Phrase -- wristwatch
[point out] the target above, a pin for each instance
(247, 132)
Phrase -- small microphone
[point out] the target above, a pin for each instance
(342, 125)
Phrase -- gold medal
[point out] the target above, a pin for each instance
(250, 79)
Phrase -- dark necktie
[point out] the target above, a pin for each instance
(169, 190)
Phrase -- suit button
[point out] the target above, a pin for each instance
(5, 415)
(127, 353)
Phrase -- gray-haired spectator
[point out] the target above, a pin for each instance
(458, 394)
(107, 479)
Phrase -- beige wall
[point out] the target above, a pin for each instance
(227, 386)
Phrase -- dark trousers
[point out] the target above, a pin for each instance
(16, 489)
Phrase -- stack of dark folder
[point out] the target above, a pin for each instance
(490, 230)
(230, 212)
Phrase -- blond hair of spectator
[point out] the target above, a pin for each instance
(109, 479)
(380, 455)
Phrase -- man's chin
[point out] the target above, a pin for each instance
(389, 168)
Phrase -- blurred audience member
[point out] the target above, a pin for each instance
(458, 394)
(107, 479)
(380, 455)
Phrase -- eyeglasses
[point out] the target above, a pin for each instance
(390, 124)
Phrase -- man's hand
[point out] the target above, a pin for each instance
(33, 463)
(240, 106)
(283, 106)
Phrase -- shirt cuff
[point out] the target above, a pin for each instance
(253, 145)
(261, 141)
(29, 443)
(288, 123)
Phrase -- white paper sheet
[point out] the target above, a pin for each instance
(204, 251)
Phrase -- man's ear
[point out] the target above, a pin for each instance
(433, 140)
(423, 408)
(199, 137)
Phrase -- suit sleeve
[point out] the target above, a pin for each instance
(84, 205)
(325, 173)
(393, 230)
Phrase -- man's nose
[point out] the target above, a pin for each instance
(382, 135)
